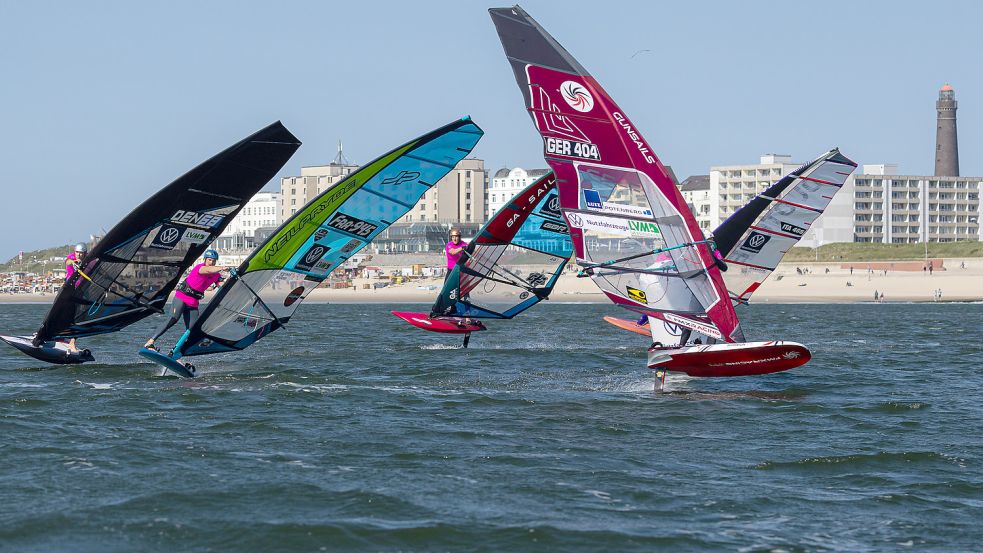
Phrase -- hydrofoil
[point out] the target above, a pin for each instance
(185, 370)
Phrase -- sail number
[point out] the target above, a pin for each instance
(571, 148)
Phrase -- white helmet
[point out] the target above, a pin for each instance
(81, 248)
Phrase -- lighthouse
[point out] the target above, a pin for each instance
(946, 145)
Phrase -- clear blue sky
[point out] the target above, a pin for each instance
(105, 102)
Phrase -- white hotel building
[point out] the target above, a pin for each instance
(507, 183)
(733, 186)
(261, 211)
(898, 209)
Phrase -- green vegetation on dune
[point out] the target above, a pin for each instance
(835, 253)
(38, 261)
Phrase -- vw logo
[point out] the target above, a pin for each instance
(757, 241)
(575, 219)
(554, 204)
(313, 255)
(169, 235)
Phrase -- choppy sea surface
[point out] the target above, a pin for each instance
(350, 430)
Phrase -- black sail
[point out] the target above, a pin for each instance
(130, 272)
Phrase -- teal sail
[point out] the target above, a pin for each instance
(273, 281)
(514, 261)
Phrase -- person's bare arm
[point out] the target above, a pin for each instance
(206, 270)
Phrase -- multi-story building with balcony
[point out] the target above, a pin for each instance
(733, 186)
(696, 192)
(507, 183)
(897, 209)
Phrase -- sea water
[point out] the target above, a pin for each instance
(350, 430)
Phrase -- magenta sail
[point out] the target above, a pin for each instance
(632, 231)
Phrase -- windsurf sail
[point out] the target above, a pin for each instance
(755, 238)
(631, 229)
(273, 281)
(131, 271)
(514, 261)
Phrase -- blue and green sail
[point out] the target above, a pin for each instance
(514, 261)
(273, 281)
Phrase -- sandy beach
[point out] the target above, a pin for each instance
(785, 285)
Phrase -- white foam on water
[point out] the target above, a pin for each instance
(312, 387)
(457, 477)
(601, 495)
(439, 346)
(301, 464)
(97, 385)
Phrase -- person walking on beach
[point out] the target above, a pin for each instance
(73, 266)
(201, 277)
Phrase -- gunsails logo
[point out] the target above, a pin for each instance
(577, 96)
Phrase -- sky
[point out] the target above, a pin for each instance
(103, 103)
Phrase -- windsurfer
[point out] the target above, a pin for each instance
(454, 249)
(73, 265)
(718, 258)
(201, 277)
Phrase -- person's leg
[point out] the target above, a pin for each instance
(177, 308)
(190, 317)
(72, 346)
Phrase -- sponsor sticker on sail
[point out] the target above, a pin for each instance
(755, 241)
(792, 229)
(592, 199)
(603, 225)
(622, 209)
(551, 207)
(702, 328)
(167, 237)
(195, 237)
(635, 294)
(311, 257)
(646, 229)
(577, 96)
